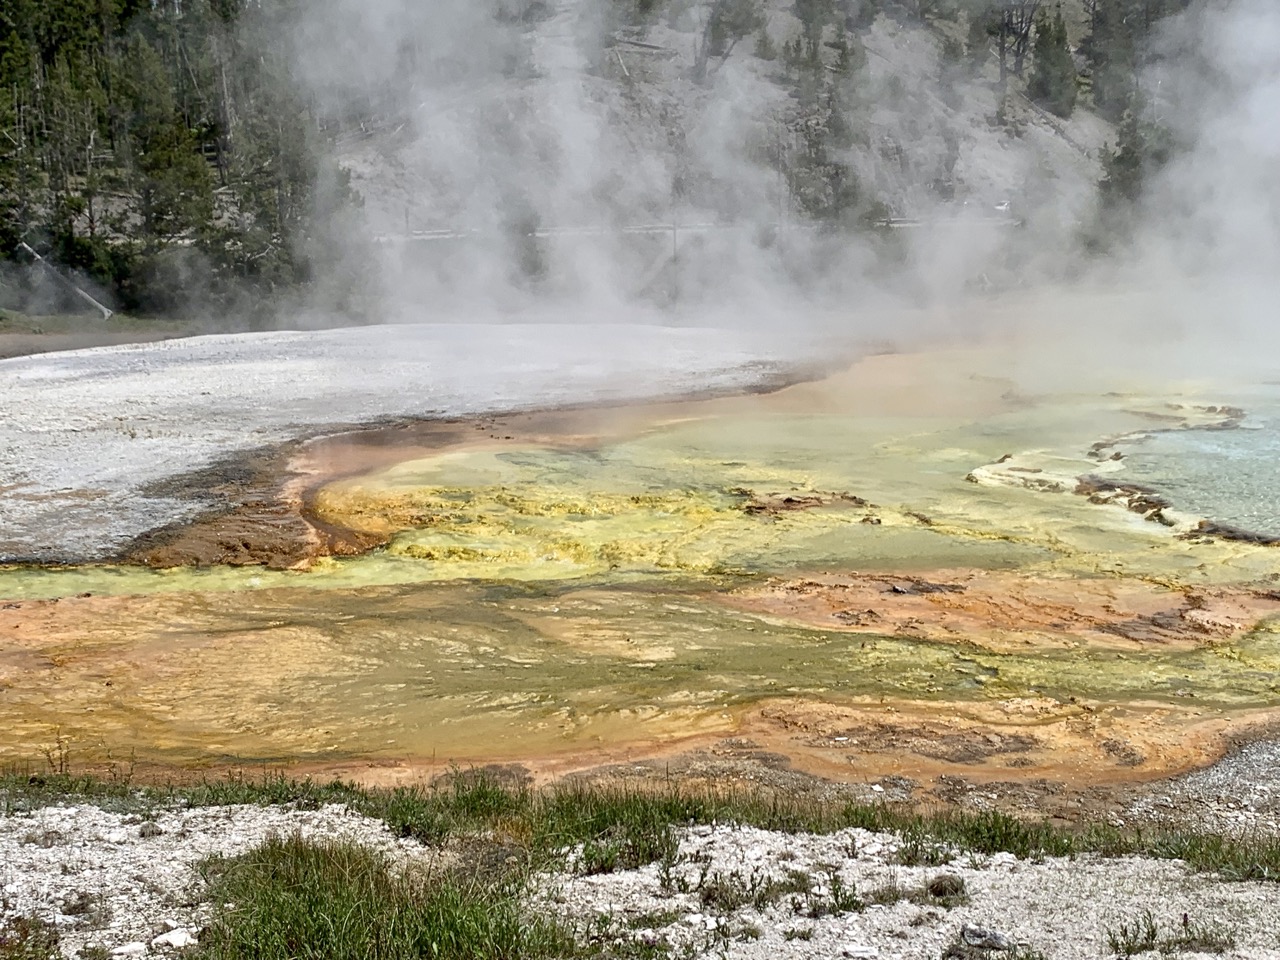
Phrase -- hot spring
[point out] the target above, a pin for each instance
(891, 570)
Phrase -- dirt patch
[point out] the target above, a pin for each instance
(261, 504)
(1012, 611)
(26, 341)
(776, 504)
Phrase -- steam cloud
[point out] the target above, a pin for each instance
(506, 118)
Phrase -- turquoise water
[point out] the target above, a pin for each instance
(1230, 476)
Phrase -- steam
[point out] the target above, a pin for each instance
(1216, 209)
(556, 159)
(1206, 250)
(544, 162)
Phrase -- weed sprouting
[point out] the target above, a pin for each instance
(1142, 934)
(26, 938)
(1132, 937)
(1196, 937)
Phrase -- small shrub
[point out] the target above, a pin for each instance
(25, 938)
(727, 892)
(1195, 937)
(842, 899)
(947, 890)
(887, 894)
(654, 920)
(918, 850)
(1133, 937)
(78, 905)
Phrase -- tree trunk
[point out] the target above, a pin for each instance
(1004, 53)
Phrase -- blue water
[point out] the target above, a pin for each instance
(1231, 476)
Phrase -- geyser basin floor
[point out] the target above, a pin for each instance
(850, 574)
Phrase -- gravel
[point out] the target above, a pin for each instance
(1062, 908)
(129, 884)
(1239, 794)
(84, 434)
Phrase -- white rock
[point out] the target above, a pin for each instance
(135, 949)
(178, 939)
(210, 396)
(859, 952)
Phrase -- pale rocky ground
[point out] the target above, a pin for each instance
(1062, 908)
(120, 881)
(1240, 794)
(85, 434)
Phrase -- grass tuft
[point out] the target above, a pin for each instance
(1133, 937)
(1142, 934)
(291, 898)
(946, 890)
(25, 938)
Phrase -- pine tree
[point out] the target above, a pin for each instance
(1111, 52)
(1142, 149)
(765, 47)
(1123, 168)
(1053, 75)
(982, 26)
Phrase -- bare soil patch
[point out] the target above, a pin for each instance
(1013, 611)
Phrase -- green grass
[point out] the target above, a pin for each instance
(1131, 937)
(296, 899)
(620, 828)
(1141, 934)
(293, 899)
(22, 938)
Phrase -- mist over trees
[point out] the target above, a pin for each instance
(169, 150)
(1053, 80)
(157, 146)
